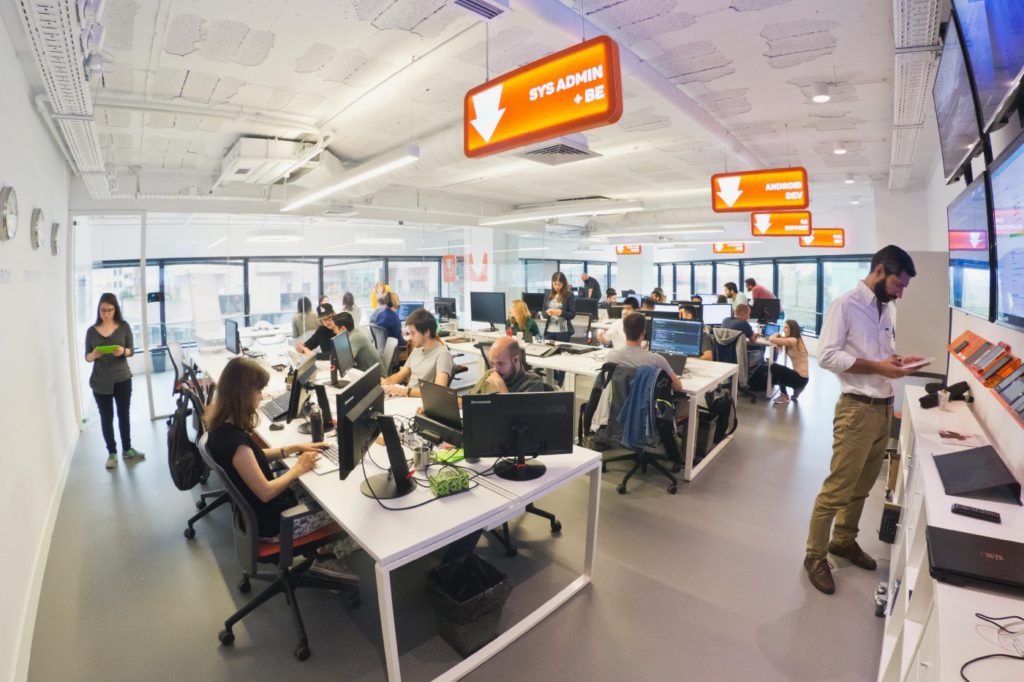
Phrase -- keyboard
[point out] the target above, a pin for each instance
(328, 461)
(278, 407)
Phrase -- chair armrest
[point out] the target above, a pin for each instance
(286, 538)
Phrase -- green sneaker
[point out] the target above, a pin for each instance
(132, 453)
(112, 461)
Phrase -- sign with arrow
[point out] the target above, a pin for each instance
(780, 224)
(763, 190)
(566, 92)
(729, 247)
(962, 240)
(830, 237)
(628, 249)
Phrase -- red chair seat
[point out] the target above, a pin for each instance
(268, 549)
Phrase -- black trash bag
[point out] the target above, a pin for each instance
(468, 595)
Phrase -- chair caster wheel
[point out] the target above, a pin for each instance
(676, 468)
(302, 652)
(672, 489)
(204, 478)
(621, 489)
(354, 601)
(511, 552)
(244, 586)
(190, 533)
(226, 637)
(556, 526)
(201, 504)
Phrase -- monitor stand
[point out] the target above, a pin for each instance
(396, 481)
(519, 470)
(305, 430)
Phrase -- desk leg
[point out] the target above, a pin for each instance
(569, 384)
(595, 500)
(387, 623)
(692, 424)
(735, 386)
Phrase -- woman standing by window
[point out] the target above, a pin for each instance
(108, 345)
(348, 305)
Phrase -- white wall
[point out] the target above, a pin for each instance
(37, 414)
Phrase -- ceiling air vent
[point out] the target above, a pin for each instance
(488, 9)
(556, 152)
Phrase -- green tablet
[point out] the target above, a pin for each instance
(105, 350)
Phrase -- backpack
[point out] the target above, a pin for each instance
(722, 405)
(587, 409)
(183, 458)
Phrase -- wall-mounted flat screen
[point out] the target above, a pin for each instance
(1008, 223)
(993, 33)
(970, 277)
(954, 107)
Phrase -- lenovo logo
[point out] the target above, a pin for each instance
(992, 556)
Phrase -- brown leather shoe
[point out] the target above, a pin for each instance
(820, 574)
(854, 554)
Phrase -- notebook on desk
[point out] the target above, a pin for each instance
(966, 559)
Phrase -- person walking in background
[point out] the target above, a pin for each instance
(520, 320)
(379, 289)
(348, 305)
(734, 295)
(108, 345)
(792, 340)
(857, 343)
(305, 320)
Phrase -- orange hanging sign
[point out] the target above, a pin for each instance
(763, 190)
(566, 92)
(963, 240)
(830, 237)
(628, 249)
(729, 247)
(780, 224)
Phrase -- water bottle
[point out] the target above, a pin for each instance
(316, 424)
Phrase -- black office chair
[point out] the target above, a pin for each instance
(730, 346)
(196, 410)
(379, 336)
(286, 577)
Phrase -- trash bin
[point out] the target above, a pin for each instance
(159, 358)
(468, 595)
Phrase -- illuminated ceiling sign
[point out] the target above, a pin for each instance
(566, 92)
(780, 224)
(628, 249)
(729, 247)
(831, 238)
(968, 241)
(763, 190)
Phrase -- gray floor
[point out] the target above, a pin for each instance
(703, 585)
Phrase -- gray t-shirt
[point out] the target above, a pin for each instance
(634, 356)
(108, 370)
(426, 365)
(363, 350)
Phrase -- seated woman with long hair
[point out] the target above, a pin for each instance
(520, 320)
(231, 422)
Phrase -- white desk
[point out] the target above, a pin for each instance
(395, 538)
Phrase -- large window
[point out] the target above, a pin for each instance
(198, 296)
(124, 282)
(682, 285)
(727, 271)
(355, 275)
(840, 276)
(762, 273)
(572, 271)
(703, 283)
(276, 286)
(613, 275)
(538, 275)
(798, 291)
(415, 280)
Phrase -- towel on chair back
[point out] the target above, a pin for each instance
(636, 416)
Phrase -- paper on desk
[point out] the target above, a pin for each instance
(949, 437)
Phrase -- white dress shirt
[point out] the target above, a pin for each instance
(854, 330)
(615, 334)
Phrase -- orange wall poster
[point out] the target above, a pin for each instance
(628, 249)
(448, 269)
(566, 92)
(780, 224)
(763, 190)
(831, 237)
(729, 247)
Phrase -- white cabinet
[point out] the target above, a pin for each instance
(930, 626)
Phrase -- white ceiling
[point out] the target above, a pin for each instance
(379, 73)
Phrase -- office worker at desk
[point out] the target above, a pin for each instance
(363, 351)
(348, 305)
(428, 361)
(387, 317)
(520, 320)
(230, 422)
(507, 373)
(320, 341)
(633, 354)
(740, 321)
(108, 345)
(707, 344)
(305, 320)
(857, 343)
(614, 335)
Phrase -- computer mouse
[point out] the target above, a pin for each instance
(277, 426)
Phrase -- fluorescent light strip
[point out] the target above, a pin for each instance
(549, 212)
(371, 169)
(628, 235)
(217, 243)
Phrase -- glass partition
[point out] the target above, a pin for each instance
(727, 271)
(415, 280)
(703, 280)
(839, 277)
(275, 286)
(762, 273)
(798, 292)
(355, 275)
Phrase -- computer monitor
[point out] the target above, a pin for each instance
(231, 341)
(679, 337)
(615, 312)
(343, 358)
(714, 314)
(444, 308)
(302, 383)
(515, 426)
(406, 308)
(587, 305)
(487, 306)
(667, 308)
(765, 310)
(440, 421)
(535, 302)
(770, 329)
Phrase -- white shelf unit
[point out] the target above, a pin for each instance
(930, 626)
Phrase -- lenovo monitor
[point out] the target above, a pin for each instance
(487, 306)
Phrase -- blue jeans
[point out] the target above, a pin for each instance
(563, 337)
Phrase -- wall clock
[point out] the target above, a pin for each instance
(36, 227)
(54, 238)
(8, 213)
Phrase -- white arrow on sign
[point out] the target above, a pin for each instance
(488, 114)
(762, 221)
(976, 238)
(729, 190)
(808, 239)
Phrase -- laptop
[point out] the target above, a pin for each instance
(770, 329)
(615, 312)
(966, 559)
(441, 420)
(676, 362)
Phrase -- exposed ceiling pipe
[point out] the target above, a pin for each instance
(569, 21)
(44, 113)
(302, 124)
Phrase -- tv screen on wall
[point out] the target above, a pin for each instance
(970, 275)
(993, 34)
(954, 107)
(1008, 223)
